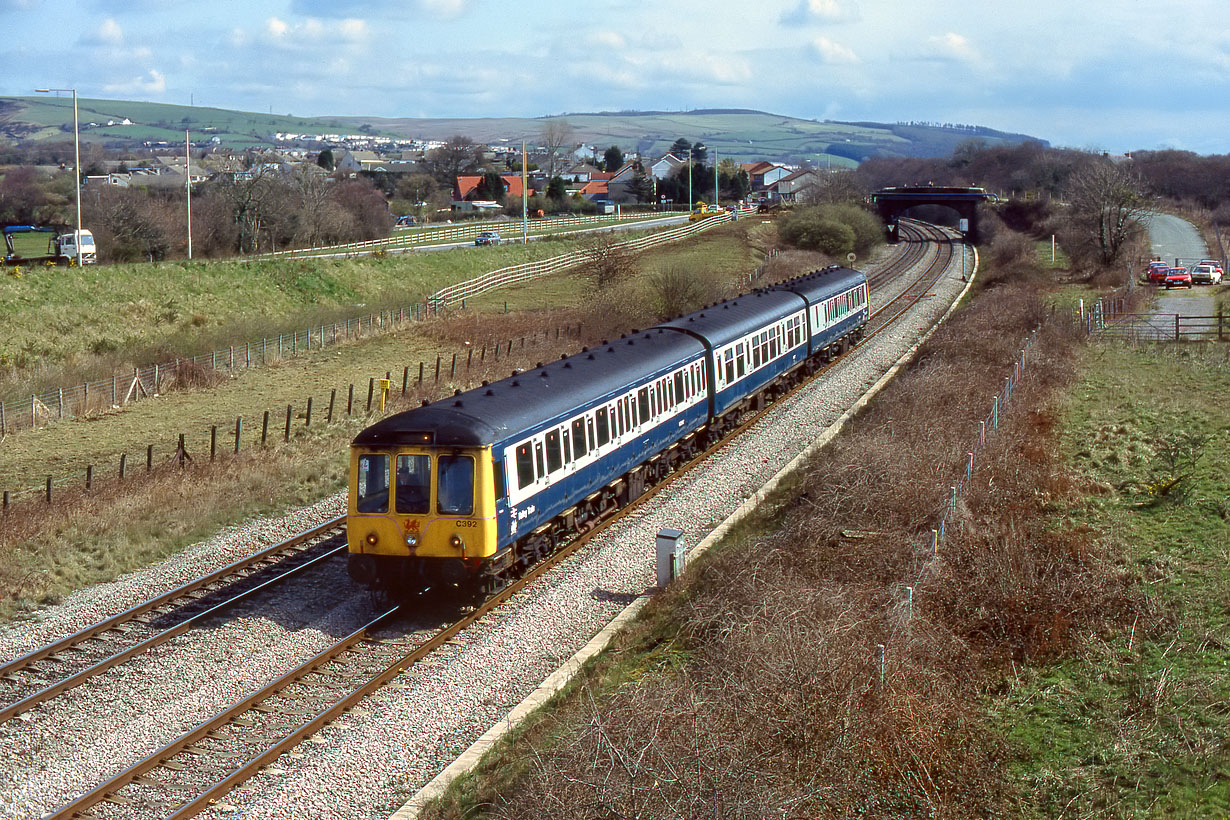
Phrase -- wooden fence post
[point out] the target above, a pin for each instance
(286, 435)
(123, 464)
(213, 441)
(309, 413)
(238, 432)
(350, 400)
(89, 476)
(332, 398)
(149, 459)
(265, 429)
(48, 489)
(371, 390)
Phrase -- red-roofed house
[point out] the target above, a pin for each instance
(465, 187)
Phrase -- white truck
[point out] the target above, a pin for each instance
(62, 248)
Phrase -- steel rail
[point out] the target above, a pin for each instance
(257, 561)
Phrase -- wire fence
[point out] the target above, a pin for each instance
(934, 543)
(40, 409)
(275, 424)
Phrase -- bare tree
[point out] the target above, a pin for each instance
(457, 156)
(1108, 200)
(609, 258)
(557, 135)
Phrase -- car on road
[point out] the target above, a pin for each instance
(1156, 273)
(406, 220)
(487, 238)
(1206, 274)
(1178, 278)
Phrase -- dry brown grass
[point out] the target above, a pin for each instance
(759, 695)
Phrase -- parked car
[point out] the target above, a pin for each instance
(487, 238)
(1178, 278)
(1156, 273)
(407, 220)
(1214, 263)
(1206, 274)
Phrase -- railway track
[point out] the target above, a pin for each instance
(38, 676)
(195, 770)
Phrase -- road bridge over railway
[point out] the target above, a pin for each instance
(893, 202)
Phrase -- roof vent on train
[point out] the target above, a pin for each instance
(457, 392)
(543, 374)
(516, 383)
(485, 383)
(489, 392)
(425, 403)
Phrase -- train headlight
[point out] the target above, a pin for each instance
(371, 539)
(412, 540)
(455, 542)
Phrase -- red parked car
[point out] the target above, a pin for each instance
(1178, 278)
(1156, 272)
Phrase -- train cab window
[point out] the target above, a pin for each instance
(525, 466)
(455, 485)
(578, 438)
(604, 430)
(642, 403)
(373, 483)
(413, 493)
(555, 458)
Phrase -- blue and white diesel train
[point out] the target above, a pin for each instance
(482, 484)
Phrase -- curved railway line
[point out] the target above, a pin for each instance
(192, 772)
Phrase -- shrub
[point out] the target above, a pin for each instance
(833, 229)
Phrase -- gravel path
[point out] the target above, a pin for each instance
(366, 764)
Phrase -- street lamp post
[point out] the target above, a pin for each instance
(76, 160)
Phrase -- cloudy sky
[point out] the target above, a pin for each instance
(1132, 74)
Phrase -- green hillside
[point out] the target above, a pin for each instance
(735, 133)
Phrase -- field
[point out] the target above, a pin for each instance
(741, 135)
(64, 326)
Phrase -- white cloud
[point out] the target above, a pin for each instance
(445, 9)
(822, 11)
(609, 39)
(832, 53)
(953, 46)
(153, 83)
(110, 32)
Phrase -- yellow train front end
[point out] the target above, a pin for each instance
(419, 516)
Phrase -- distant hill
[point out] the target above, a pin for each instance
(740, 134)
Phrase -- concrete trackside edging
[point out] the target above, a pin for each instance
(469, 759)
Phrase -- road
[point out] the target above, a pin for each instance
(1174, 239)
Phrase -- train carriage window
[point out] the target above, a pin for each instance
(455, 485)
(642, 403)
(538, 459)
(372, 490)
(740, 360)
(679, 397)
(555, 458)
(567, 439)
(757, 352)
(578, 437)
(413, 492)
(730, 365)
(661, 395)
(604, 431)
(593, 438)
(525, 466)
